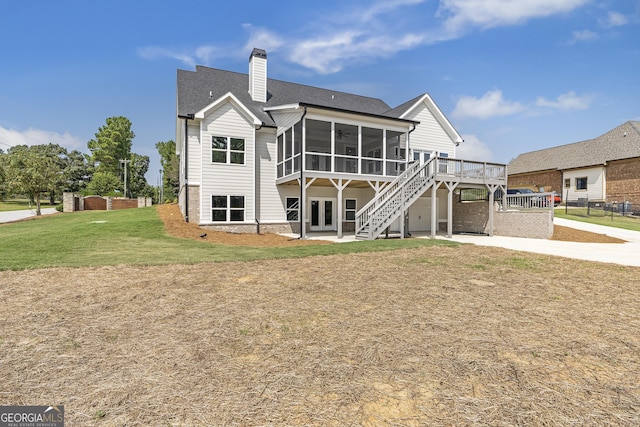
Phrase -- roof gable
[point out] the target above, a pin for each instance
(622, 142)
(228, 97)
(405, 110)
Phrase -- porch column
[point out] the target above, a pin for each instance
(340, 185)
(434, 212)
(492, 188)
(450, 186)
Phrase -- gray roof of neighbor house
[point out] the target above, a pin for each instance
(620, 143)
(197, 89)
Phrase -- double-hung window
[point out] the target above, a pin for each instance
(227, 150)
(350, 209)
(227, 208)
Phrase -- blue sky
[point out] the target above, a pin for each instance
(512, 76)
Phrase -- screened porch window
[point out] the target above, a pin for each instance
(396, 152)
(318, 145)
(372, 151)
(346, 148)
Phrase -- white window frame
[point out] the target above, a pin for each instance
(586, 183)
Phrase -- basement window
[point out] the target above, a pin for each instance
(293, 208)
(227, 208)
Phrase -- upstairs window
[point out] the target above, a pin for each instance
(228, 150)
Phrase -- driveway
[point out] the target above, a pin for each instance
(11, 216)
(616, 253)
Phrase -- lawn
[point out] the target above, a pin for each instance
(21, 204)
(138, 237)
(129, 326)
(600, 217)
(442, 335)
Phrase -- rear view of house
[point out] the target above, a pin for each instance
(258, 153)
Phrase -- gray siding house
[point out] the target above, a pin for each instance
(268, 155)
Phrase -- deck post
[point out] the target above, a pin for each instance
(402, 215)
(434, 211)
(492, 190)
(451, 186)
(303, 210)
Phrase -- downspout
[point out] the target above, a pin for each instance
(302, 144)
(186, 164)
(255, 167)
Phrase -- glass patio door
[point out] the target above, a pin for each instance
(322, 214)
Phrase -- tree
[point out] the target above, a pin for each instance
(3, 159)
(32, 172)
(103, 184)
(138, 167)
(111, 144)
(170, 167)
(58, 155)
(77, 172)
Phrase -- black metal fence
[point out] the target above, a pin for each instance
(584, 206)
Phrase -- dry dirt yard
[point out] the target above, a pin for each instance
(444, 336)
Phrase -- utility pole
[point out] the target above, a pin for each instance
(161, 189)
(125, 162)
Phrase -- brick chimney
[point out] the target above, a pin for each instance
(258, 75)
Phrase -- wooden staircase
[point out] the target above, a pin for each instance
(395, 199)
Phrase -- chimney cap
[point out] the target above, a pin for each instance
(258, 52)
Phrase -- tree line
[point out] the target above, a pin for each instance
(110, 168)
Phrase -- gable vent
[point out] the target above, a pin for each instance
(258, 75)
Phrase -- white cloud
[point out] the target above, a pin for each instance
(566, 101)
(461, 15)
(352, 34)
(491, 104)
(614, 19)
(262, 39)
(31, 136)
(329, 55)
(473, 149)
(583, 36)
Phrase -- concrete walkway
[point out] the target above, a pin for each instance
(615, 253)
(11, 216)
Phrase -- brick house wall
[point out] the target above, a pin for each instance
(551, 180)
(623, 181)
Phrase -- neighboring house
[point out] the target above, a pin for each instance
(604, 169)
(246, 143)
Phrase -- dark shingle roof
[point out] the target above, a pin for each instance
(198, 89)
(620, 143)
